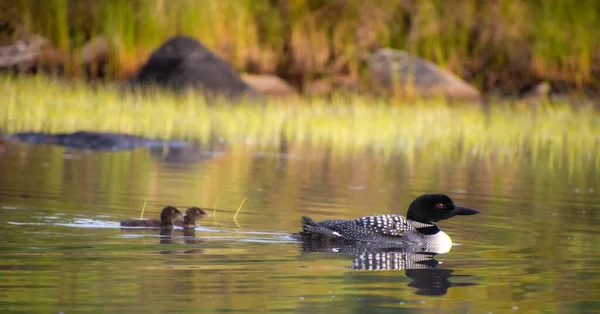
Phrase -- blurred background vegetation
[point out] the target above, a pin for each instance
(499, 45)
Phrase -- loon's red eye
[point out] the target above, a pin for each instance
(439, 205)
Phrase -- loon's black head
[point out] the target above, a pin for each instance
(169, 213)
(431, 208)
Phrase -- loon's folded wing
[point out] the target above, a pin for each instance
(392, 225)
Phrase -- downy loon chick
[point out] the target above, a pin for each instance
(166, 219)
(189, 219)
(418, 228)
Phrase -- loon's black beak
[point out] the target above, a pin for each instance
(459, 210)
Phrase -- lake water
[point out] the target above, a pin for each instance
(534, 247)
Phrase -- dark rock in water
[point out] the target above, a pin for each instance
(182, 62)
(92, 140)
(399, 71)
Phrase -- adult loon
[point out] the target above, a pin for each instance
(417, 229)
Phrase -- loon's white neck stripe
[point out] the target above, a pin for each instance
(417, 225)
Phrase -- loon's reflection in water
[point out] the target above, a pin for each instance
(419, 264)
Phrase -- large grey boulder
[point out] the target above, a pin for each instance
(398, 71)
(182, 62)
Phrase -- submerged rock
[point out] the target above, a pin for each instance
(92, 140)
(398, 71)
(182, 62)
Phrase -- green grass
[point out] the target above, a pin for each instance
(510, 43)
(344, 123)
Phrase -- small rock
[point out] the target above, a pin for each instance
(94, 56)
(24, 54)
(327, 86)
(320, 87)
(538, 91)
(269, 85)
(346, 83)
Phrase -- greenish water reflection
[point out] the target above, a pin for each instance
(533, 248)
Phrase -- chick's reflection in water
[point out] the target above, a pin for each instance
(166, 236)
(189, 237)
(419, 264)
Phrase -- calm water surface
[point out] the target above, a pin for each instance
(534, 247)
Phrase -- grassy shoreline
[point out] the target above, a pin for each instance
(344, 124)
(505, 44)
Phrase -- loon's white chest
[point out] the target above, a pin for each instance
(439, 242)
